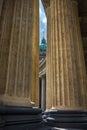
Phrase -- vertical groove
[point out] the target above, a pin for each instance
(28, 76)
(48, 62)
(72, 97)
(9, 86)
(75, 68)
(53, 60)
(35, 54)
(69, 52)
(61, 56)
(27, 61)
(58, 55)
(66, 78)
(62, 49)
(25, 49)
(37, 51)
(81, 65)
(17, 81)
(51, 67)
(14, 47)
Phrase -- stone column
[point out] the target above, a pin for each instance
(35, 56)
(66, 67)
(43, 92)
(17, 54)
(48, 62)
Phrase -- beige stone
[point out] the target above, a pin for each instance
(66, 69)
(19, 51)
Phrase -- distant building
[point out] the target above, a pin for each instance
(43, 47)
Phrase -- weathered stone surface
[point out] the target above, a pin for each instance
(65, 66)
(19, 52)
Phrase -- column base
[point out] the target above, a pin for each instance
(21, 118)
(30, 118)
(75, 119)
(15, 101)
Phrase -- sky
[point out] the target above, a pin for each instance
(43, 21)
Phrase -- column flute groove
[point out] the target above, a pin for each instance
(51, 54)
(57, 54)
(48, 61)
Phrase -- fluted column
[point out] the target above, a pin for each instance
(48, 62)
(43, 92)
(68, 75)
(35, 56)
(16, 76)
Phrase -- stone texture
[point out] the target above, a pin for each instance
(66, 68)
(35, 55)
(48, 61)
(19, 52)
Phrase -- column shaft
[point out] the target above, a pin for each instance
(48, 62)
(43, 92)
(35, 56)
(68, 74)
(17, 54)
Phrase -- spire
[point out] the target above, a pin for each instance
(43, 47)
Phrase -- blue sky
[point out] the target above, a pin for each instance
(43, 21)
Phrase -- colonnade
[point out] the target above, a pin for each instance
(19, 66)
(19, 55)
